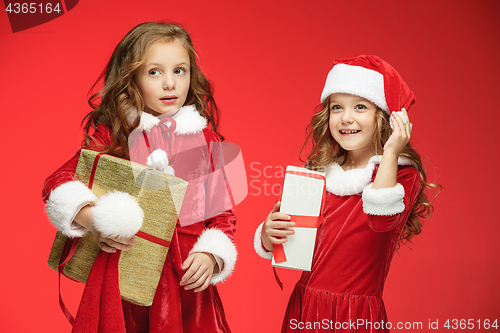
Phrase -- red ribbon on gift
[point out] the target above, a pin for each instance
(300, 220)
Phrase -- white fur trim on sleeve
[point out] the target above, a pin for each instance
(257, 244)
(65, 201)
(215, 242)
(117, 214)
(384, 201)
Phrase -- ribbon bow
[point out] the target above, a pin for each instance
(160, 134)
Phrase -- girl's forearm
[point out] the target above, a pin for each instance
(387, 172)
(84, 218)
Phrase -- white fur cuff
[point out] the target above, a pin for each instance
(65, 201)
(117, 214)
(384, 201)
(257, 244)
(215, 242)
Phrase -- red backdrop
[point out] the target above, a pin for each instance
(268, 61)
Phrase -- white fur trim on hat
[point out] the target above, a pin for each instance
(65, 201)
(159, 160)
(257, 244)
(356, 80)
(117, 214)
(216, 242)
(384, 201)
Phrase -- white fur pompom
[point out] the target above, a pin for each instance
(117, 214)
(159, 160)
(402, 115)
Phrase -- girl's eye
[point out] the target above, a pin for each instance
(179, 71)
(334, 108)
(154, 72)
(360, 107)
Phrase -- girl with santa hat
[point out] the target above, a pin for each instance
(374, 200)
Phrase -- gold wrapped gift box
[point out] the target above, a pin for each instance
(160, 197)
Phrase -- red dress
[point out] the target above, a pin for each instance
(354, 249)
(207, 206)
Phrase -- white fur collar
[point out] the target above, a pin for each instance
(188, 119)
(340, 182)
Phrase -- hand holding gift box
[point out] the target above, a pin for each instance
(302, 199)
(160, 197)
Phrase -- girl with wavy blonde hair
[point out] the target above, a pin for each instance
(156, 108)
(374, 198)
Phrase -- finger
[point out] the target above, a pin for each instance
(106, 248)
(276, 207)
(187, 277)
(119, 246)
(281, 240)
(398, 122)
(204, 286)
(279, 216)
(123, 240)
(192, 281)
(196, 283)
(187, 262)
(280, 232)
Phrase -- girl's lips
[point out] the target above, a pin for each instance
(168, 99)
(348, 131)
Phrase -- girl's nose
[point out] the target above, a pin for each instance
(169, 83)
(347, 117)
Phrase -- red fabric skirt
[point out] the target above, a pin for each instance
(314, 310)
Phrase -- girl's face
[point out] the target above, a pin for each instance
(164, 78)
(352, 124)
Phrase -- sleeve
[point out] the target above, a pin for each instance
(257, 244)
(64, 197)
(220, 221)
(389, 207)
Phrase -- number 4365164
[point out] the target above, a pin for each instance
(32, 8)
(462, 324)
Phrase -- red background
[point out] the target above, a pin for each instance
(268, 61)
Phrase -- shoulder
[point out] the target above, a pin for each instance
(210, 135)
(100, 138)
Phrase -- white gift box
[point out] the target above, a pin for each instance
(302, 197)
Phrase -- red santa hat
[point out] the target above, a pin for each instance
(372, 78)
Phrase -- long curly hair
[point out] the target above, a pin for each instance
(120, 92)
(326, 150)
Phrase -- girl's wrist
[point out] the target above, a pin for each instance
(266, 243)
(390, 155)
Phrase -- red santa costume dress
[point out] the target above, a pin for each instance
(207, 224)
(355, 246)
(362, 226)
